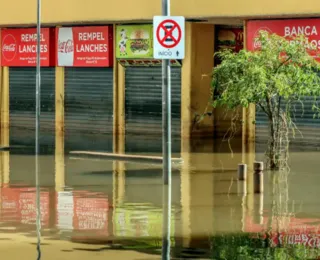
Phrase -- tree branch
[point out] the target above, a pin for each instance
(263, 109)
(282, 63)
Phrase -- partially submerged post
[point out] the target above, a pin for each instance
(242, 172)
(258, 177)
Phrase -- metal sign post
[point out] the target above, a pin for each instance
(37, 148)
(166, 109)
(168, 44)
(166, 146)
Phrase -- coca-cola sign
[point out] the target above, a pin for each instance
(89, 46)
(289, 28)
(66, 46)
(9, 47)
(19, 47)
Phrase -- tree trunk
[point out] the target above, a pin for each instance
(272, 146)
(278, 146)
(273, 162)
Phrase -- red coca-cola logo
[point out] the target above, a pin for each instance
(66, 46)
(256, 41)
(9, 47)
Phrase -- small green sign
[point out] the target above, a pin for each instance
(134, 41)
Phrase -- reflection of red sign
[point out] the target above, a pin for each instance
(307, 239)
(91, 214)
(297, 231)
(19, 47)
(90, 46)
(290, 29)
(10, 205)
(168, 40)
(28, 206)
(19, 205)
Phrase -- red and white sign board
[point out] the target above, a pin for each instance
(289, 29)
(169, 37)
(90, 46)
(19, 47)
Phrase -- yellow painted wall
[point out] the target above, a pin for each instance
(244, 8)
(202, 49)
(195, 84)
(68, 11)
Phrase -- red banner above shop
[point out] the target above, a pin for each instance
(90, 46)
(19, 47)
(289, 29)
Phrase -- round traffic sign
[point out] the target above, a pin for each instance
(169, 33)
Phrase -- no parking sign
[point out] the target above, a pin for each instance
(169, 37)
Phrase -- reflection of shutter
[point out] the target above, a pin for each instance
(23, 105)
(303, 116)
(89, 108)
(143, 108)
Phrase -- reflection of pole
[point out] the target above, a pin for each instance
(38, 88)
(166, 146)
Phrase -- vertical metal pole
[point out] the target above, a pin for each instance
(166, 146)
(37, 148)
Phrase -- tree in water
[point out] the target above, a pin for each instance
(274, 78)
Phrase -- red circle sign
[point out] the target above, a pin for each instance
(168, 33)
(9, 47)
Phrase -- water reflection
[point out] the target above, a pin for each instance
(100, 209)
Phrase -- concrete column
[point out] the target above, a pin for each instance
(196, 80)
(5, 124)
(59, 129)
(5, 116)
(118, 101)
(248, 114)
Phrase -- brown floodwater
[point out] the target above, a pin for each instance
(101, 209)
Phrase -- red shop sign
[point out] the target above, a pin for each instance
(286, 28)
(19, 47)
(90, 46)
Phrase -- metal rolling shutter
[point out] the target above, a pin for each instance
(143, 109)
(23, 103)
(89, 108)
(303, 116)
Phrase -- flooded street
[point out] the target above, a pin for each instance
(102, 209)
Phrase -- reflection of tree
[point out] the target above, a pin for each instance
(274, 244)
(279, 228)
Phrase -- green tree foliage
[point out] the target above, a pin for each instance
(274, 77)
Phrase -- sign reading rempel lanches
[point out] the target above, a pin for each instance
(169, 37)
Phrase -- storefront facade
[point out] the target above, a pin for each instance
(18, 48)
(143, 90)
(86, 53)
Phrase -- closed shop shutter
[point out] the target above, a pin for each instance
(22, 85)
(307, 134)
(88, 108)
(143, 109)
